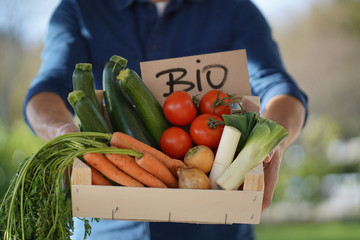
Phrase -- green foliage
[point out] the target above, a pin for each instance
(348, 13)
(309, 231)
(16, 142)
(316, 137)
(321, 50)
(306, 162)
(335, 17)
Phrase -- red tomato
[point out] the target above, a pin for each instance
(202, 134)
(211, 98)
(179, 108)
(175, 142)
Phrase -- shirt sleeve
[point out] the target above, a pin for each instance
(64, 47)
(268, 76)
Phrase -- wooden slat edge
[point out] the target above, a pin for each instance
(251, 103)
(81, 173)
(254, 179)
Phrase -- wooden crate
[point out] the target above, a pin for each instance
(179, 205)
(170, 205)
(167, 205)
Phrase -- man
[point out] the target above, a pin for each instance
(141, 30)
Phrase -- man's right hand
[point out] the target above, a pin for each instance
(49, 116)
(65, 128)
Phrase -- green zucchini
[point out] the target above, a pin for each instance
(121, 112)
(91, 119)
(83, 79)
(146, 104)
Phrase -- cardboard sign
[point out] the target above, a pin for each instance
(198, 74)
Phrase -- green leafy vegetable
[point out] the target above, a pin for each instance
(37, 204)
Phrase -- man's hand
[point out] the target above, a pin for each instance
(49, 116)
(64, 128)
(290, 113)
(271, 172)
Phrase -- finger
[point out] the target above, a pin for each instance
(271, 171)
(66, 128)
(268, 194)
(270, 155)
(267, 159)
(267, 199)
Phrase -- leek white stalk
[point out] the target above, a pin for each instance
(225, 153)
(264, 137)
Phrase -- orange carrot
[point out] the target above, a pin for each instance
(154, 166)
(103, 165)
(98, 179)
(122, 140)
(128, 164)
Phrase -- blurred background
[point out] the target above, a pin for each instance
(318, 194)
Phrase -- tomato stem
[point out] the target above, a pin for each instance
(224, 101)
(212, 123)
(196, 100)
(219, 102)
(230, 104)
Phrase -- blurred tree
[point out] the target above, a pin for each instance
(17, 70)
(8, 67)
(322, 52)
(20, 60)
(307, 159)
(22, 25)
(349, 12)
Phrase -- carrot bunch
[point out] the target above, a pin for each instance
(152, 169)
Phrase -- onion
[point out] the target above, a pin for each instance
(193, 178)
(201, 157)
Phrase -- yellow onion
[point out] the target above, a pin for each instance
(193, 178)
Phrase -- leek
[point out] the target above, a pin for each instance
(225, 153)
(263, 139)
(244, 122)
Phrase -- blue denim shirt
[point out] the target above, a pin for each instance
(92, 31)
